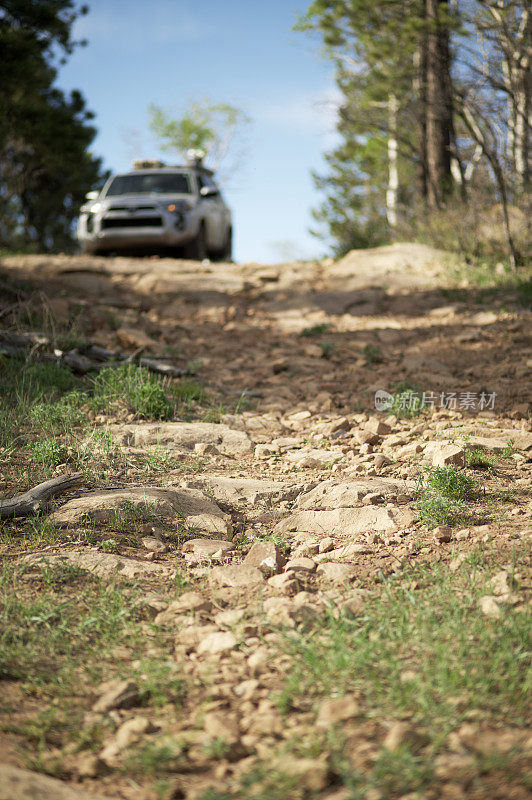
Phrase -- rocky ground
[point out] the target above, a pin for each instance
(280, 591)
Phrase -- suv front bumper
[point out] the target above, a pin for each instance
(122, 228)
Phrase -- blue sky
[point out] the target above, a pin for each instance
(171, 52)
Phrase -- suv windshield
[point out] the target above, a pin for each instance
(152, 183)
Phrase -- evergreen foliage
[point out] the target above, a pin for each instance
(434, 116)
(46, 166)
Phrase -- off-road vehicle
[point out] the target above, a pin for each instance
(156, 208)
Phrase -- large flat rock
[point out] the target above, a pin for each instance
(333, 494)
(21, 784)
(104, 565)
(249, 491)
(197, 509)
(497, 439)
(183, 435)
(345, 523)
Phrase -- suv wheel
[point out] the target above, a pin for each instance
(196, 249)
(227, 251)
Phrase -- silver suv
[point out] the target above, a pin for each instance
(156, 207)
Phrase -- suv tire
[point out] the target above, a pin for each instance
(226, 253)
(196, 249)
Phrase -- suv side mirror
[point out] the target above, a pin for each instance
(92, 195)
(209, 191)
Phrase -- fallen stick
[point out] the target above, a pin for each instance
(22, 505)
(17, 346)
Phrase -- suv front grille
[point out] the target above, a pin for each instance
(132, 222)
(132, 208)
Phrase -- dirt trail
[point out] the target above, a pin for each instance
(303, 500)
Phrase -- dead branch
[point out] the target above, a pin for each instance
(36, 499)
(91, 359)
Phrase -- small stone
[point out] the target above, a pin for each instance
(443, 533)
(457, 562)
(203, 549)
(128, 733)
(306, 549)
(188, 637)
(229, 618)
(499, 583)
(489, 606)
(326, 544)
(117, 694)
(247, 689)
(277, 611)
(354, 605)
(236, 576)
(334, 572)
(311, 773)
(366, 437)
(265, 451)
(134, 337)
(203, 449)
(396, 736)
(377, 426)
(266, 556)
(151, 606)
(89, 765)
(372, 498)
(286, 583)
(188, 602)
(217, 642)
(302, 564)
(154, 545)
(448, 454)
(257, 661)
(222, 726)
(337, 710)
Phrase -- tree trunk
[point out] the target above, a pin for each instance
(439, 105)
(523, 125)
(393, 174)
(420, 90)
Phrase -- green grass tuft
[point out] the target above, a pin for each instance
(452, 482)
(436, 509)
(315, 330)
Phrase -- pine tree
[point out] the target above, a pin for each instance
(393, 67)
(45, 163)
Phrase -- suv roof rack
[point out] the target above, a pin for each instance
(148, 163)
(192, 163)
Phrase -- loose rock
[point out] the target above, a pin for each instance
(265, 556)
(236, 575)
(217, 642)
(21, 784)
(117, 694)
